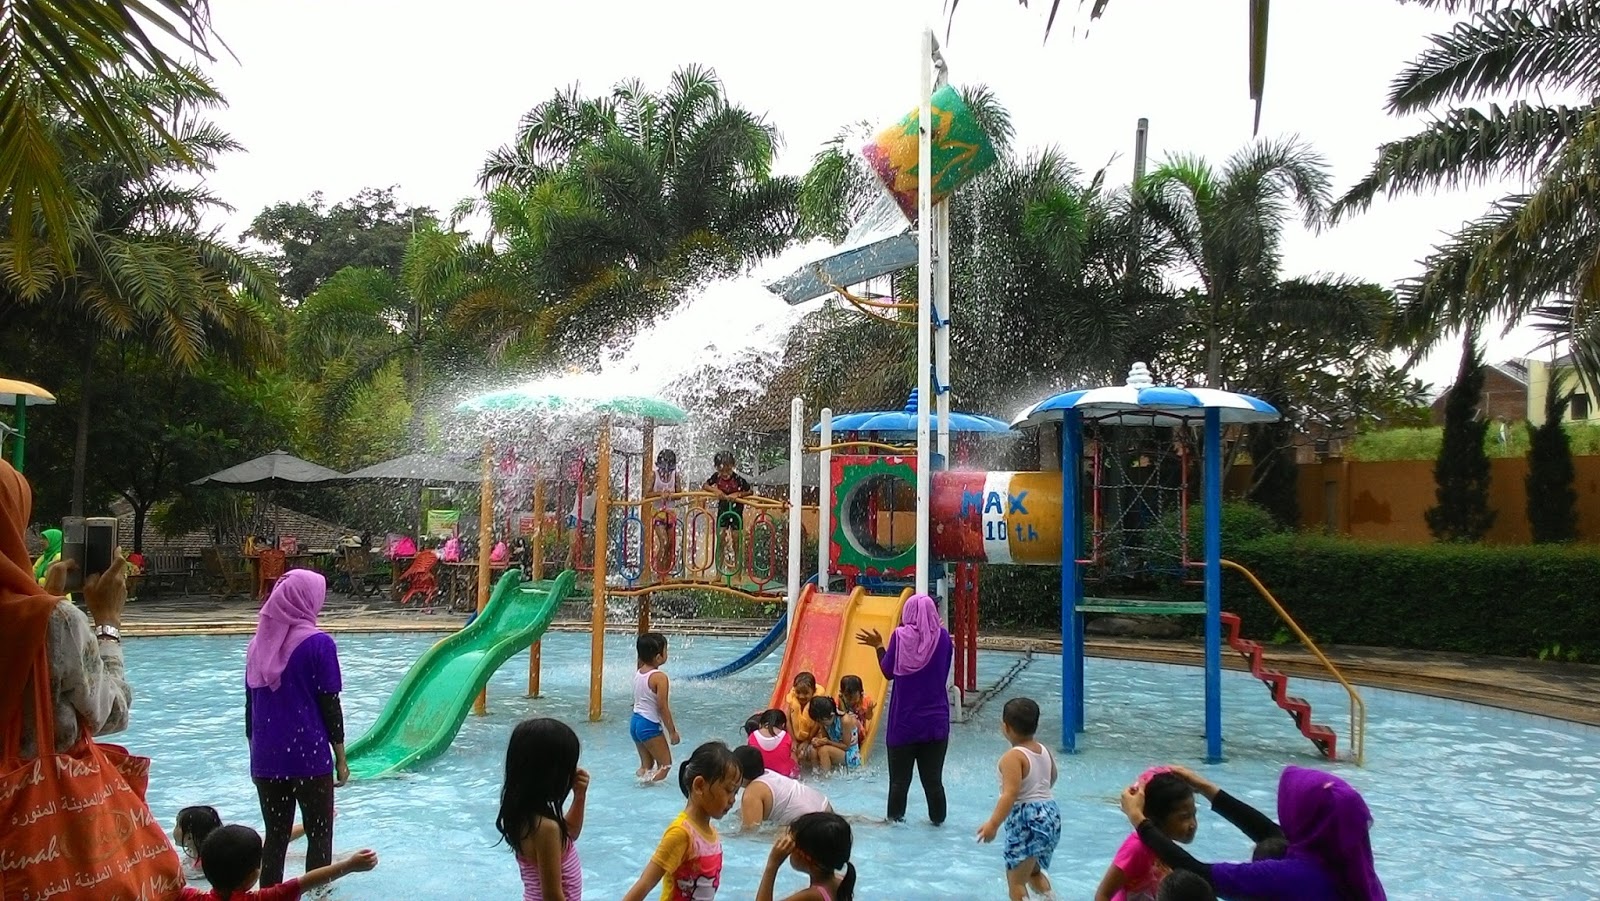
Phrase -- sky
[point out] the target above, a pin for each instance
(337, 95)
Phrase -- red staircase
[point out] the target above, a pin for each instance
(1277, 683)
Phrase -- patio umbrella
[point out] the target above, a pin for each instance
(1142, 402)
(414, 468)
(279, 469)
(535, 400)
(22, 395)
(903, 422)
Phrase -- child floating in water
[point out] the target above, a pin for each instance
(1135, 873)
(651, 726)
(190, 831)
(771, 796)
(687, 863)
(1027, 805)
(231, 856)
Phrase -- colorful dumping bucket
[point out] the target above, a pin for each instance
(960, 151)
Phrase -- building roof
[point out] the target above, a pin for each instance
(282, 521)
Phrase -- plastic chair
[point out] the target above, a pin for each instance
(420, 578)
(270, 566)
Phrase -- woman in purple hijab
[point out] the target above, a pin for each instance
(917, 662)
(294, 722)
(1325, 828)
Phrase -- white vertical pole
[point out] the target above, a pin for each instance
(924, 301)
(797, 424)
(824, 497)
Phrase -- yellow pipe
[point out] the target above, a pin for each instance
(752, 500)
(602, 512)
(876, 445)
(696, 586)
(536, 572)
(1358, 708)
(485, 542)
(647, 529)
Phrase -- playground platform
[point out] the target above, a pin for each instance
(1565, 691)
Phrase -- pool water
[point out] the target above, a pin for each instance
(1469, 801)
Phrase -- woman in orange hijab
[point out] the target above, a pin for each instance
(86, 672)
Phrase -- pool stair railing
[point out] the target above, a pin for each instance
(1277, 681)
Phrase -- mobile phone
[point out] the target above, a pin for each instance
(100, 544)
(73, 550)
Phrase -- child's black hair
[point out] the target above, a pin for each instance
(1022, 715)
(650, 646)
(805, 677)
(752, 723)
(851, 685)
(825, 838)
(1163, 794)
(541, 764)
(711, 761)
(195, 823)
(822, 707)
(668, 458)
(1182, 885)
(722, 458)
(230, 855)
(751, 766)
(1273, 847)
(775, 718)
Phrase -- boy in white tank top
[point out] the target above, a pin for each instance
(1027, 806)
(651, 725)
(770, 796)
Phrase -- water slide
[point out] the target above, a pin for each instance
(763, 649)
(825, 645)
(426, 710)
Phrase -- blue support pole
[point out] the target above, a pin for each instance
(1071, 585)
(1213, 508)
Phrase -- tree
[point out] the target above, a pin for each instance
(139, 265)
(72, 58)
(1552, 501)
(608, 210)
(1461, 474)
(311, 241)
(1531, 254)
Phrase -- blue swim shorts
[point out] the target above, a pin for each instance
(1032, 829)
(642, 728)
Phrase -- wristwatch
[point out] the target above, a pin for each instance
(108, 633)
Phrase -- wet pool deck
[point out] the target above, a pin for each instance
(1566, 691)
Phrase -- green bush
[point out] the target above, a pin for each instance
(1424, 443)
(1514, 601)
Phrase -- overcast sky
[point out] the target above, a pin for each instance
(337, 95)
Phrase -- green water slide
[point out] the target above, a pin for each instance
(426, 710)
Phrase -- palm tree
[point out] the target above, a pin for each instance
(612, 207)
(363, 321)
(74, 56)
(135, 262)
(1532, 253)
(1226, 226)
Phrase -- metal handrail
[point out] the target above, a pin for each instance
(1358, 707)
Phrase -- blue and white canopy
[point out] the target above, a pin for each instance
(900, 422)
(1142, 402)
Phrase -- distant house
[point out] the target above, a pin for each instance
(1561, 374)
(1507, 394)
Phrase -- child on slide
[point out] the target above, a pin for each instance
(651, 726)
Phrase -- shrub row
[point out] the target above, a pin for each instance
(1516, 601)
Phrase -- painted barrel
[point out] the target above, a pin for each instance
(961, 150)
(996, 517)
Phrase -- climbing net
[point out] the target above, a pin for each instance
(1140, 477)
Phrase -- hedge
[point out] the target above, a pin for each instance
(1540, 601)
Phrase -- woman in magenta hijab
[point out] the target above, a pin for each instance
(917, 661)
(294, 722)
(1323, 848)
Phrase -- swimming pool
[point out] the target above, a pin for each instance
(1470, 802)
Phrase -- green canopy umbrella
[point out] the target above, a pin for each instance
(515, 400)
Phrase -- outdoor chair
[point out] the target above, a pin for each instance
(225, 570)
(420, 578)
(270, 566)
(355, 575)
(166, 571)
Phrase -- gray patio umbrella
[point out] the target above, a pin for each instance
(414, 468)
(269, 472)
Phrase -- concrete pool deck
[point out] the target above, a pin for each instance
(1565, 691)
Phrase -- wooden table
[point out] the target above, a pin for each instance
(454, 575)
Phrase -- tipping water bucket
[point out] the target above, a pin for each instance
(961, 150)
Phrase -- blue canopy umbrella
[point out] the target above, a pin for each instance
(902, 422)
(1140, 401)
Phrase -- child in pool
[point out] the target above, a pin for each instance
(797, 707)
(231, 856)
(190, 831)
(651, 726)
(818, 845)
(687, 863)
(854, 701)
(541, 770)
(837, 740)
(768, 734)
(1273, 847)
(1135, 873)
(1027, 805)
(1182, 885)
